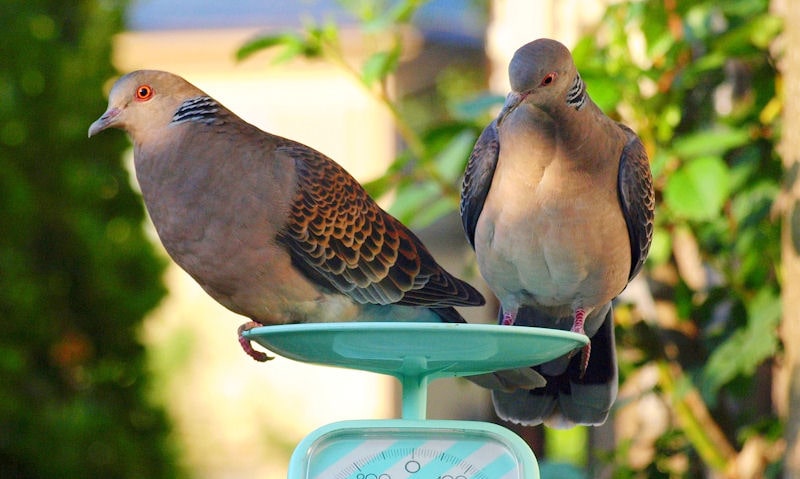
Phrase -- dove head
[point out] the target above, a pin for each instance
(541, 73)
(144, 101)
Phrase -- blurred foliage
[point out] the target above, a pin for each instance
(697, 81)
(76, 271)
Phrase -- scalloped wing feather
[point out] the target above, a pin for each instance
(339, 235)
(637, 199)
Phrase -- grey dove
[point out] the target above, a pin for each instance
(558, 203)
(270, 228)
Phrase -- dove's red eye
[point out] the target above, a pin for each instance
(144, 92)
(549, 78)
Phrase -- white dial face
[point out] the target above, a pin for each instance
(415, 454)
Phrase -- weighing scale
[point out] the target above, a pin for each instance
(415, 353)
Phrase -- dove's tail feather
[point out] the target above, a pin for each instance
(569, 398)
(448, 315)
(508, 379)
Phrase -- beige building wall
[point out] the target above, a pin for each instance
(517, 22)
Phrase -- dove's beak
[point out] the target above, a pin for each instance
(512, 101)
(105, 121)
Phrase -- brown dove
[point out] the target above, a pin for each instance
(270, 228)
(557, 201)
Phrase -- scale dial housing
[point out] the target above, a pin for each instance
(404, 449)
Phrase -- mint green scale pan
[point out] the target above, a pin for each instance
(415, 353)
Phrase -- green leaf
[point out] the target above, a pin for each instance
(365, 11)
(476, 107)
(660, 247)
(258, 44)
(450, 162)
(379, 186)
(710, 142)
(757, 32)
(433, 211)
(418, 204)
(766, 29)
(308, 44)
(567, 446)
(293, 48)
(379, 65)
(669, 118)
(393, 176)
(699, 189)
(659, 162)
(399, 13)
(708, 62)
(604, 91)
(411, 198)
(754, 203)
(403, 11)
(749, 346)
(584, 52)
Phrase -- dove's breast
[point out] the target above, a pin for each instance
(551, 233)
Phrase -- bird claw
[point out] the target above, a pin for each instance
(508, 319)
(577, 327)
(585, 353)
(578, 319)
(247, 345)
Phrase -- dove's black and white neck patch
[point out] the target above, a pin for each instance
(202, 109)
(576, 96)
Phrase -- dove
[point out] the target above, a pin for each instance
(270, 228)
(557, 201)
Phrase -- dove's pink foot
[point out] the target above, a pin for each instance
(508, 318)
(577, 327)
(248, 346)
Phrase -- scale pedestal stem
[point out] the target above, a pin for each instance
(414, 377)
(415, 396)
